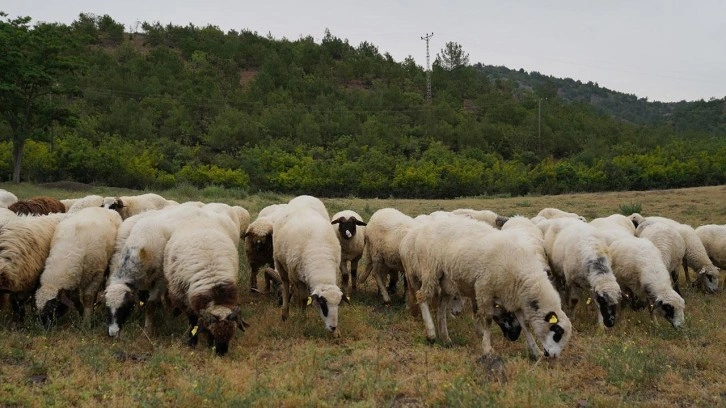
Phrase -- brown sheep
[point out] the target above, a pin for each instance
(41, 205)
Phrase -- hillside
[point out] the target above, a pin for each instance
(238, 110)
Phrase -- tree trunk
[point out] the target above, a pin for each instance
(17, 158)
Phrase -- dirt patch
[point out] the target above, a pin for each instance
(68, 185)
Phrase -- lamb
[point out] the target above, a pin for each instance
(551, 213)
(490, 267)
(488, 216)
(132, 205)
(80, 250)
(85, 202)
(383, 234)
(713, 238)
(201, 266)
(41, 205)
(259, 248)
(580, 260)
(7, 198)
(136, 270)
(307, 254)
(638, 266)
(348, 227)
(670, 244)
(25, 243)
(696, 255)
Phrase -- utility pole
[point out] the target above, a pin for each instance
(427, 37)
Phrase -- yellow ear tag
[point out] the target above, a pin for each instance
(310, 300)
(348, 298)
(194, 330)
(553, 319)
(588, 301)
(141, 303)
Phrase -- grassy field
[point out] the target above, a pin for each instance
(382, 357)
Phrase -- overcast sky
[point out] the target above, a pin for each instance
(665, 50)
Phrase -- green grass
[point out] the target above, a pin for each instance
(382, 357)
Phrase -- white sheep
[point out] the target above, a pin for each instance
(580, 260)
(551, 213)
(639, 268)
(7, 198)
(132, 205)
(74, 272)
(81, 203)
(201, 266)
(531, 231)
(307, 255)
(488, 216)
(25, 243)
(349, 227)
(309, 202)
(614, 227)
(696, 256)
(239, 218)
(136, 270)
(259, 248)
(463, 257)
(670, 244)
(713, 238)
(383, 234)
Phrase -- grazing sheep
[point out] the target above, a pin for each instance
(74, 272)
(713, 238)
(7, 198)
(309, 202)
(614, 227)
(550, 213)
(638, 266)
(25, 243)
(238, 217)
(580, 260)
(670, 244)
(488, 216)
(529, 229)
(128, 206)
(259, 248)
(490, 267)
(348, 227)
(383, 234)
(307, 255)
(85, 202)
(201, 266)
(37, 206)
(696, 256)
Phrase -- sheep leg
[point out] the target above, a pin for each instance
(674, 280)
(685, 272)
(534, 350)
(345, 275)
(354, 273)
(285, 283)
(254, 268)
(441, 316)
(411, 290)
(378, 273)
(484, 315)
(392, 282)
(428, 322)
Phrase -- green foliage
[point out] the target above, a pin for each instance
(630, 208)
(206, 175)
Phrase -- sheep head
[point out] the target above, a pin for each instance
(120, 301)
(707, 279)
(347, 226)
(221, 322)
(326, 299)
(554, 330)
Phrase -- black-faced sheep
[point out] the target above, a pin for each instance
(201, 266)
(491, 267)
(348, 226)
(128, 206)
(74, 271)
(307, 257)
(38, 206)
(696, 256)
(639, 268)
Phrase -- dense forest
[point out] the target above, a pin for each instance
(182, 104)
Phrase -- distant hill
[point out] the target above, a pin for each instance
(706, 116)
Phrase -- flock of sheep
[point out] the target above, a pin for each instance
(150, 252)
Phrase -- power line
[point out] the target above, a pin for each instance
(427, 37)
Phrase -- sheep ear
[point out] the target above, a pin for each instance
(337, 221)
(235, 314)
(360, 223)
(551, 318)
